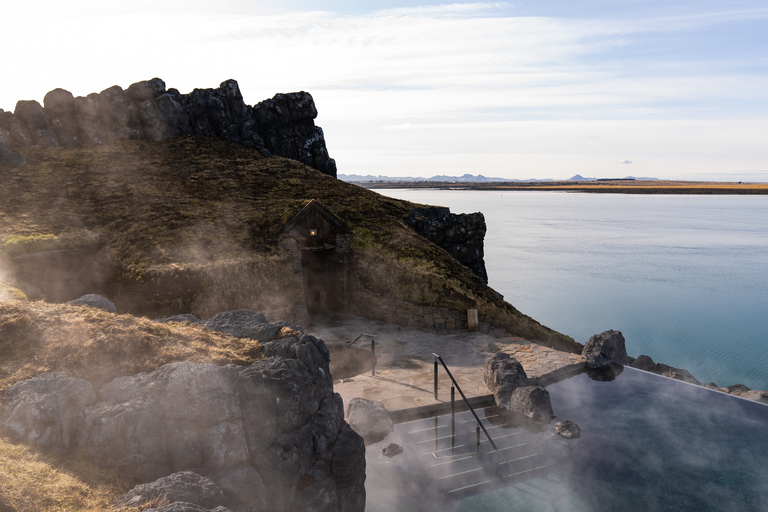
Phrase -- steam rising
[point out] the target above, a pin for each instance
(648, 443)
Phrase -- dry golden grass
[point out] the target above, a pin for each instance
(37, 337)
(34, 480)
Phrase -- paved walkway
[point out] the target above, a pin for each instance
(405, 367)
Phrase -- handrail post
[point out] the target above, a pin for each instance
(436, 427)
(435, 377)
(373, 356)
(456, 384)
(453, 417)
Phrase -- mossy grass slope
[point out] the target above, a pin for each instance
(193, 206)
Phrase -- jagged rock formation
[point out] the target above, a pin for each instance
(283, 125)
(461, 235)
(270, 435)
(605, 349)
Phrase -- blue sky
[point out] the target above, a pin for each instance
(543, 89)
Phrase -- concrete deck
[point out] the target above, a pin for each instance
(405, 368)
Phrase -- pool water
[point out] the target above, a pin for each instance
(647, 443)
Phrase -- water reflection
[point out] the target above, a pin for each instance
(650, 444)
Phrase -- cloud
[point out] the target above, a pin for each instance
(440, 77)
(625, 161)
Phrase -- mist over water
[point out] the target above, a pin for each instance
(684, 278)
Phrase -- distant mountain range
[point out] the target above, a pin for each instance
(467, 178)
(579, 177)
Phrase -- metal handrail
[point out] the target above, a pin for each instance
(371, 336)
(373, 350)
(456, 384)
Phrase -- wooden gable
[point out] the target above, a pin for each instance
(314, 221)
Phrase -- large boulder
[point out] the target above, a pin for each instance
(503, 374)
(185, 486)
(370, 419)
(95, 301)
(270, 435)
(47, 410)
(605, 348)
(533, 402)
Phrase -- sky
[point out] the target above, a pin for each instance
(529, 89)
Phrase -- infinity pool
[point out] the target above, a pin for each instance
(648, 443)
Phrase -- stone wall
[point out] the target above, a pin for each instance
(283, 125)
(368, 304)
(461, 235)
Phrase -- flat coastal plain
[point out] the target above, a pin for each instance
(611, 186)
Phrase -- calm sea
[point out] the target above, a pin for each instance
(684, 278)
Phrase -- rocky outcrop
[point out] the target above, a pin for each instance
(461, 235)
(743, 391)
(271, 435)
(95, 301)
(604, 349)
(184, 486)
(8, 157)
(283, 125)
(512, 391)
(370, 419)
(644, 362)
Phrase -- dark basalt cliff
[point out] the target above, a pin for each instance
(283, 125)
(460, 234)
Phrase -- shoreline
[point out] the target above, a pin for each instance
(617, 186)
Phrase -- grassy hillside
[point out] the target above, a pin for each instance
(192, 224)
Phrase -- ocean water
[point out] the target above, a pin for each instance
(683, 277)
